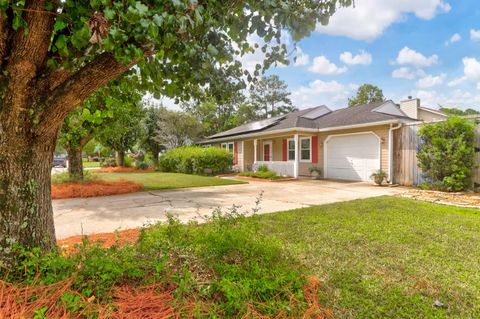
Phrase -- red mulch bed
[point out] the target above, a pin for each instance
(120, 238)
(122, 170)
(94, 188)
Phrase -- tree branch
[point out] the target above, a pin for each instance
(73, 91)
(27, 55)
(32, 46)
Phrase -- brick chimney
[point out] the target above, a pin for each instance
(410, 107)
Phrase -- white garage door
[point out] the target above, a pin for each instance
(352, 157)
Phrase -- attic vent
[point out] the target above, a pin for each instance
(316, 112)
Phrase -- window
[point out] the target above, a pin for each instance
(228, 146)
(291, 150)
(305, 148)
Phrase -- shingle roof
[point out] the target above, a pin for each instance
(360, 114)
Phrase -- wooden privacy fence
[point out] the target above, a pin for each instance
(405, 164)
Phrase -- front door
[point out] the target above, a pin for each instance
(266, 152)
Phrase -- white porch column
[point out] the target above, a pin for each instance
(255, 151)
(295, 163)
(243, 156)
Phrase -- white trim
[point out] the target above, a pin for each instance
(255, 151)
(270, 155)
(309, 160)
(325, 149)
(432, 111)
(345, 127)
(288, 149)
(226, 145)
(306, 130)
(295, 163)
(243, 156)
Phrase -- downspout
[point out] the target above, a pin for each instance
(390, 151)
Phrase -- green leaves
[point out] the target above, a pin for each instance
(59, 25)
(80, 38)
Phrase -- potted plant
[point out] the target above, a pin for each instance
(379, 176)
(315, 172)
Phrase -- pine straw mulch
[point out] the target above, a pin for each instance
(122, 170)
(444, 198)
(94, 188)
(155, 301)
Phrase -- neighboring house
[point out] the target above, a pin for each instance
(348, 144)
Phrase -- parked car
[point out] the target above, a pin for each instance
(59, 161)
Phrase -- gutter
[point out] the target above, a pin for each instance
(390, 151)
(299, 129)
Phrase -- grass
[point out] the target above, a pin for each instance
(387, 257)
(91, 164)
(156, 180)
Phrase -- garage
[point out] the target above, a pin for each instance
(352, 156)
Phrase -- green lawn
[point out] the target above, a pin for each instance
(387, 257)
(156, 180)
(90, 164)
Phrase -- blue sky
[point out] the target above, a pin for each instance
(424, 48)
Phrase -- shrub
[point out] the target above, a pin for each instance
(196, 159)
(446, 153)
(262, 174)
(127, 161)
(108, 162)
(141, 165)
(263, 168)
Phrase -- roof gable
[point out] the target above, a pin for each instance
(389, 108)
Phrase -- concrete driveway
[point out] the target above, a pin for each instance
(110, 213)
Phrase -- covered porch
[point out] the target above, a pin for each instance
(288, 155)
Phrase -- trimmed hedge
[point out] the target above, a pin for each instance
(196, 159)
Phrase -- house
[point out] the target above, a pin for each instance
(348, 143)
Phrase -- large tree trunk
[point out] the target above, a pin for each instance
(26, 215)
(75, 162)
(120, 158)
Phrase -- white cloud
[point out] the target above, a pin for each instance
(302, 58)
(407, 56)
(322, 65)
(318, 92)
(430, 81)
(364, 58)
(474, 35)
(471, 72)
(454, 38)
(370, 18)
(407, 73)
(456, 98)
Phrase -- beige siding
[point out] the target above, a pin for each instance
(248, 155)
(429, 116)
(410, 107)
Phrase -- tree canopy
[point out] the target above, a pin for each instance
(270, 96)
(366, 93)
(456, 111)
